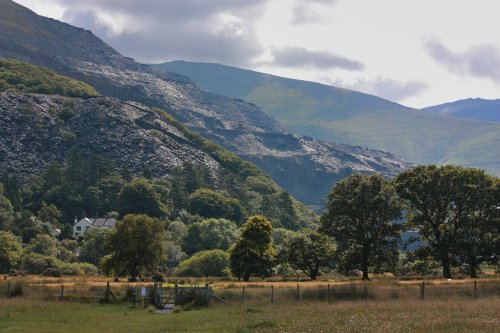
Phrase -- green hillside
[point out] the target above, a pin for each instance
(351, 117)
(16, 76)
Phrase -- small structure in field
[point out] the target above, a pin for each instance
(87, 223)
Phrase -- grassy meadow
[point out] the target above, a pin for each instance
(381, 305)
(481, 315)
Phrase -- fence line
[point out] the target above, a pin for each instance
(234, 294)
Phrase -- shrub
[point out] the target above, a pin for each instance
(53, 272)
(34, 263)
(204, 263)
(88, 269)
(71, 269)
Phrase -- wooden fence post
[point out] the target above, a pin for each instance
(242, 297)
(62, 292)
(422, 290)
(272, 294)
(298, 292)
(106, 295)
(8, 290)
(176, 292)
(475, 288)
(207, 296)
(135, 297)
(329, 294)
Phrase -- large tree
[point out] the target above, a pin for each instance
(10, 251)
(210, 204)
(253, 254)
(93, 245)
(6, 211)
(309, 252)
(360, 214)
(139, 197)
(210, 234)
(453, 209)
(136, 244)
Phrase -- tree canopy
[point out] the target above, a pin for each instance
(309, 251)
(454, 209)
(360, 214)
(209, 234)
(136, 244)
(253, 254)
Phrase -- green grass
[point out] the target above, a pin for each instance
(17, 76)
(18, 315)
(351, 117)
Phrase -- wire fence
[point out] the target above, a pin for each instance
(235, 293)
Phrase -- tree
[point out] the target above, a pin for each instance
(6, 211)
(453, 210)
(43, 244)
(359, 215)
(204, 263)
(136, 244)
(66, 232)
(139, 197)
(209, 235)
(93, 245)
(288, 216)
(253, 254)
(309, 252)
(10, 251)
(210, 204)
(49, 213)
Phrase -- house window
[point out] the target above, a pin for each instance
(78, 228)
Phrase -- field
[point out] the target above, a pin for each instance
(483, 315)
(384, 305)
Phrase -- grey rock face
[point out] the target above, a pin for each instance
(306, 168)
(130, 134)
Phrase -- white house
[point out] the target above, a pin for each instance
(87, 223)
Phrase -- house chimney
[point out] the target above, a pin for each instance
(76, 220)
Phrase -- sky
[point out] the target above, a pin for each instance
(415, 52)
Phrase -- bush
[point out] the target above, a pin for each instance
(34, 263)
(204, 263)
(88, 269)
(17, 289)
(71, 269)
(53, 272)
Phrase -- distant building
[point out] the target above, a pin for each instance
(87, 223)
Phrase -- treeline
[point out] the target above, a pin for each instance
(17, 76)
(199, 210)
(453, 212)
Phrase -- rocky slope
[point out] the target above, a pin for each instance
(305, 167)
(33, 135)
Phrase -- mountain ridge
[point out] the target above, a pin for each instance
(471, 108)
(350, 117)
(236, 125)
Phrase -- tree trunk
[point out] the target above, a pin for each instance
(473, 268)
(246, 278)
(445, 259)
(364, 263)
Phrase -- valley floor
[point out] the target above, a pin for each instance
(465, 315)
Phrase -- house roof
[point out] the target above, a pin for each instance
(100, 221)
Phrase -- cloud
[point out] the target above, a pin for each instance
(387, 88)
(301, 57)
(151, 30)
(479, 61)
(304, 12)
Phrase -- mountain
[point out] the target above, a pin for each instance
(307, 168)
(471, 108)
(350, 117)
